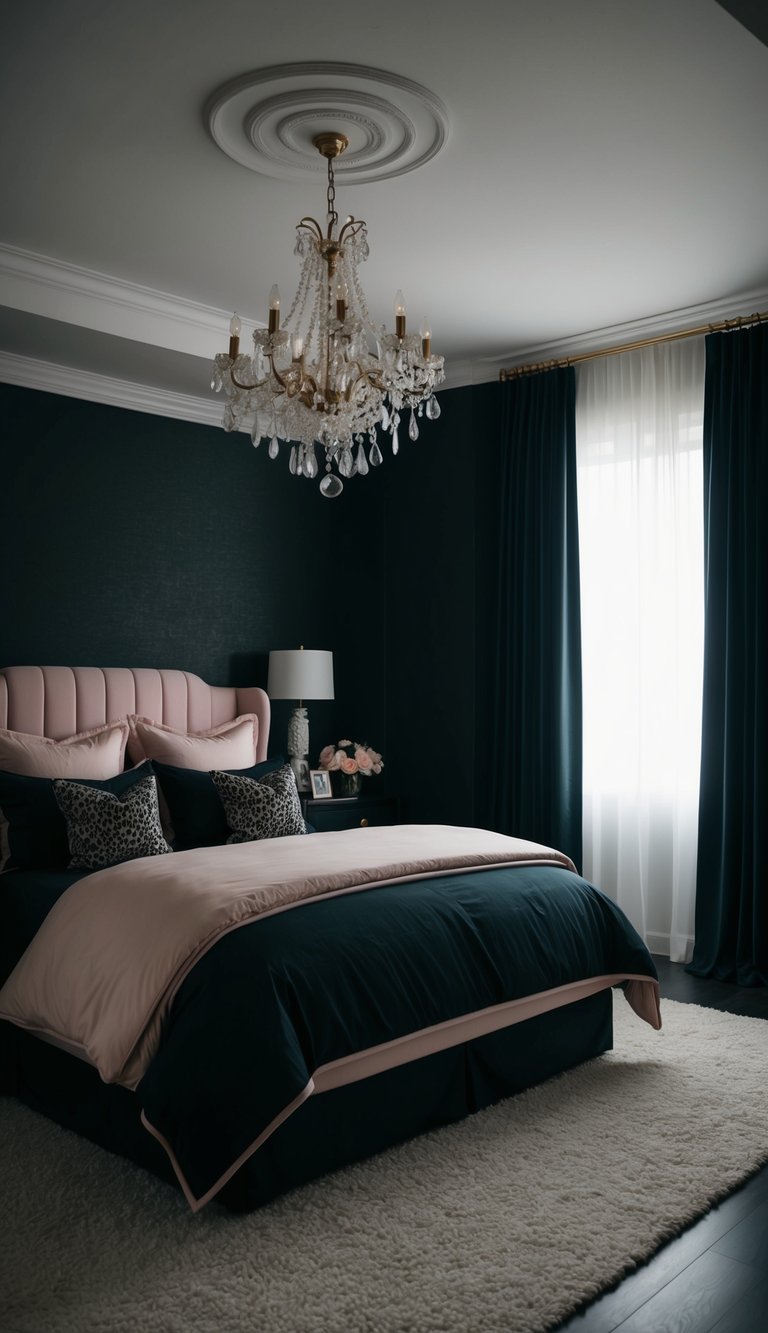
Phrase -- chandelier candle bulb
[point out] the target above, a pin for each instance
(426, 338)
(297, 347)
(399, 314)
(234, 336)
(274, 309)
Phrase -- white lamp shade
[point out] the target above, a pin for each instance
(300, 673)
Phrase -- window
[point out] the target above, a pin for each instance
(639, 418)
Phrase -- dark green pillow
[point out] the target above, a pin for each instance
(196, 812)
(33, 831)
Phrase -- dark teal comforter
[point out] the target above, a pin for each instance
(277, 998)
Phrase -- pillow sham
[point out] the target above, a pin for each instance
(193, 803)
(230, 745)
(104, 829)
(267, 808)
(98, 753)
(33, 831)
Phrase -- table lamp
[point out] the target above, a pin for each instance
(300, 673)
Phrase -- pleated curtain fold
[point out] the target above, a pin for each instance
(535, 640)
(732, 885)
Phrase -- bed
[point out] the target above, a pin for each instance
(242, 1017)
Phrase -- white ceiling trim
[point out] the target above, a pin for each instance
(27, 373)
(53, 289)
(600, 340)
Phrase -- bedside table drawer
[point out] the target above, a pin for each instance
(353, 812)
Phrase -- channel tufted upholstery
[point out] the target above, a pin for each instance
(61, 701)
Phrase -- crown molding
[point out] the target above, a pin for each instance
(600, 340)
(75, 295)
(27, 373)
(40, 285)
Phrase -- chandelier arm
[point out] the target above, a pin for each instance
(308, 224)
(376, 383)
(352, 227)
(277, 376)
(248, 387)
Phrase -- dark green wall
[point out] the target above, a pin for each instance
(133, 540)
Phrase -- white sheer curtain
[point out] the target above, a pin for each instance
(639, 419)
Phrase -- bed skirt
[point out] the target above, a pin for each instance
(330, 1130)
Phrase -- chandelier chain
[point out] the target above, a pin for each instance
(333, 216)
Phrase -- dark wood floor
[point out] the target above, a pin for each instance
(714, 1277)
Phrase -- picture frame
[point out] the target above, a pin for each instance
(320, 782)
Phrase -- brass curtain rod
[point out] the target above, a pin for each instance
(725, 325)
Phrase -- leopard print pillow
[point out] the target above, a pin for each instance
(267, 808)
(104, 829)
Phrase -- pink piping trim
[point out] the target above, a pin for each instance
(642, 993)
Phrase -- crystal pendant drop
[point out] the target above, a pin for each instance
(274, 446)
(384, 416)
(346, 462)
(331, 486)
(310, 462)
(375, 455)
(433, 408)
(395, 441)
(361, 461)
(413, 429)
(292, 463)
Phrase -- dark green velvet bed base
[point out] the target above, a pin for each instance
(336, 1128)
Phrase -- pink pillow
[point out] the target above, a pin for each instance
(99, 753)
(230, 745)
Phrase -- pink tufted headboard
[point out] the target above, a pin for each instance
(60, 701)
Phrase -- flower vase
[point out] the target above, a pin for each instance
(349, 784)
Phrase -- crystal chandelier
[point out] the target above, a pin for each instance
(315, 379)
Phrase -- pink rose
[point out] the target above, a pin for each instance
(364, 760)
(326, 756)
(348, 765)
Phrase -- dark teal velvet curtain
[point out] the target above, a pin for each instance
(732, 882)
(534, 720)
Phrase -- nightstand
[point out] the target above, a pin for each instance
(340, 812)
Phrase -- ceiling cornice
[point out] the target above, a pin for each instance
(53, 289)
(27, 373)
(599, 340)
(40, 285)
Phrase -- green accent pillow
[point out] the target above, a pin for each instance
(33, 831)
(194, 805)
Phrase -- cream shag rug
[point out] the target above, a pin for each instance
(506, 1221)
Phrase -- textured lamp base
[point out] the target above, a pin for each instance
(298, 747)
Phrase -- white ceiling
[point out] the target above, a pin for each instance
(606, 165)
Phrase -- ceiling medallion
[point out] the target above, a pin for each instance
(326, 376)
(267, 120)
